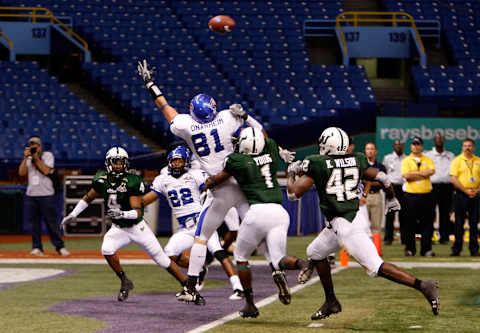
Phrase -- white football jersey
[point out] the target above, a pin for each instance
(211, 142)
(182, 193)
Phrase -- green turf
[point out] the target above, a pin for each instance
(369, 305)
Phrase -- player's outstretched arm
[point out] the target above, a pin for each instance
(157, 95)
(80, 207)
(392, 203)
(134, 213)
(148, 198)
(213, 181)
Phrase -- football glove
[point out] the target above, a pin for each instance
(286, 155)
(294, 168)
(67, 219)
(392, 205)
(115, 213)
(237, 110)
(144, 72)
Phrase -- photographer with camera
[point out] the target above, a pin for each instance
(40, 200)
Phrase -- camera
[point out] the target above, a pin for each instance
(33, 150)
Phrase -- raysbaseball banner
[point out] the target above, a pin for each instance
(390, 129)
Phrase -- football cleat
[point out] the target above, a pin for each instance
(237, 295)
(282, 285)
(127, 285)
(190, 296)
(201, 279)
(249, 311)
(327, 309)
(306, 272)
(429, 289)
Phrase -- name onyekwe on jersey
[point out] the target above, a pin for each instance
(214, 123)
(264, 159)
(344, 162)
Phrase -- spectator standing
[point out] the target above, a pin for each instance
(393, 164)
(40, 199)
(417, 170)
(442, 187)
(465, 177)
(374, 200)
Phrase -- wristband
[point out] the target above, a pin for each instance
(80, 207)
(154, 91)
(130, 214)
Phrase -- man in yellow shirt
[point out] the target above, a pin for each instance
(465, 177)
(417, 169)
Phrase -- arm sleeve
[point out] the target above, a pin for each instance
(97, 184)
(231, 164)
(136, 186)
(48, 159)
(430, 163)
(179, 125)
(157, 186)
(382, 167)
(454, 168)
(405, 168)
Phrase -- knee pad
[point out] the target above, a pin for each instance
(220, 255)
(107, 249)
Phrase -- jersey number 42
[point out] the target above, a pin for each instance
(343, 183)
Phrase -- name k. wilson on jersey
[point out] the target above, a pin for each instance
(342, 162)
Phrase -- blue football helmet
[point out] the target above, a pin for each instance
(203, 108)
(175, 168)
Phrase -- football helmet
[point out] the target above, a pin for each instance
(333, 141)
(115, 155)
(178, 153)
(251, 141)
(203, 108)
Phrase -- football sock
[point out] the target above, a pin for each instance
(197, 259)
(235, 282)
(121, 275)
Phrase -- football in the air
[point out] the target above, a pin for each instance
(221, 24)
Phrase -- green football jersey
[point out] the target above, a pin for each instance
(257, 175)
(336, 179)
(117, 195)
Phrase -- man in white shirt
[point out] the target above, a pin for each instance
(40, 201)
(442, 187)
(393, 164)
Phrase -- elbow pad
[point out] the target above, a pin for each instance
(383, 178)
(292, 196)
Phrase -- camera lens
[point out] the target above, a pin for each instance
(33, 150)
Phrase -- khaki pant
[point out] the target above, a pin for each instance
(375, 211)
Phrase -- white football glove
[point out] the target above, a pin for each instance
(67, 219)
(392, 205)
(294, 168)
(115, 213)
(286, 155)
(237, 110)
(144, 72)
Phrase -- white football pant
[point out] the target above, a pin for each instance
(350, 236)
(140, 234)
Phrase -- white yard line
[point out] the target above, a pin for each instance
(271, 299)
(259, 304)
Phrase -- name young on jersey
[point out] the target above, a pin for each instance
(264, 159)
(342, 162)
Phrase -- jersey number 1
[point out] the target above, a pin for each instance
(341, 187)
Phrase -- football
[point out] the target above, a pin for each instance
(221, 24)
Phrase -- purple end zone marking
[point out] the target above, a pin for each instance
(163, 313)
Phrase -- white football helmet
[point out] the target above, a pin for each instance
(333, 141)
(251, 141)
(114, 155)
